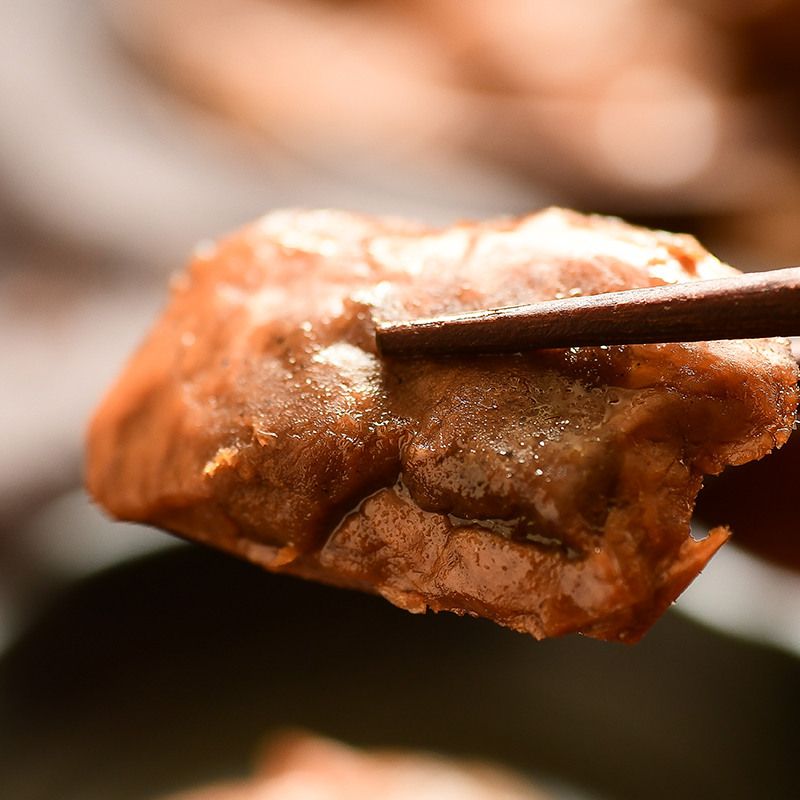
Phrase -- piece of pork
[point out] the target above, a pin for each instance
(550, 491)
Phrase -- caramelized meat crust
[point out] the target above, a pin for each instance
(549, 491)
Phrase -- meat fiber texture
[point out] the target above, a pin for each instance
(549, 491)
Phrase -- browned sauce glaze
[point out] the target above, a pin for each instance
(551, 491)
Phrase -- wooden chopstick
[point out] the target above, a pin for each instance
(742, 307)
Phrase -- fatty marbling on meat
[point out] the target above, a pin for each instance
(551, 491)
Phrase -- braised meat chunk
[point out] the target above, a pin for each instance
(550, 491)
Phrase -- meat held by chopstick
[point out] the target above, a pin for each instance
(550, 491)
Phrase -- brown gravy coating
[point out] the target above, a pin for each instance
(551, 492)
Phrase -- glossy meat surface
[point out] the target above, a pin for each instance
(551, 491)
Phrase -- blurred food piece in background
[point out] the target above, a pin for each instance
(300, 766)
(674, 110)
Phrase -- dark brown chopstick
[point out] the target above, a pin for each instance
(742, 307)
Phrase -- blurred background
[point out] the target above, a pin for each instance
(130, 130)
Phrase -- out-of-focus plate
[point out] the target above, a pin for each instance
(169, 671)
